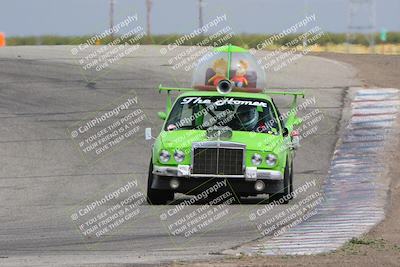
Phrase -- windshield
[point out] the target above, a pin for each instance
(239, 114)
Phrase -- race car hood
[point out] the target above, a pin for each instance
(183, 139)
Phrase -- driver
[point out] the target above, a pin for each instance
(247, 117)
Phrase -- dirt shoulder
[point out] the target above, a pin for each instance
(379, 247)
(374, 70)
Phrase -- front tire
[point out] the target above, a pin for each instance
(156, 196)
(287, 186)
(291, 180)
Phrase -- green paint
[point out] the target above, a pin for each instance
(260, 143)
(231, 48)
(228, 74)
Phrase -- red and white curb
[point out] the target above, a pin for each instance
(354, 191)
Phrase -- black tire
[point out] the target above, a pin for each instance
(156, 196)
(291, 180)
(287, 184)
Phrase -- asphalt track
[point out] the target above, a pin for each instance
(44, 90)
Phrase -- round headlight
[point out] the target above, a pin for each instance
(164, 156)
(256, 159)
(271, 160)
(179, 156)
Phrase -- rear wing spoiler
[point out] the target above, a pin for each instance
(168, 105)
(292, 119)
(295, 94)
(180, 89)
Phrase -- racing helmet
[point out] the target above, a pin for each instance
(247, 116)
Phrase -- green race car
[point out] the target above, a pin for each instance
(225, 127)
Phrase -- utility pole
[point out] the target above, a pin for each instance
(201, 14)
(149, 5)
(358, 22)
(306, 11)
(112, 3)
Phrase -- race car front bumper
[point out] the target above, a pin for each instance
(250, 173)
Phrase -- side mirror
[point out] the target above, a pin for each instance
(285, 132)
(162, 115)
(295, 139)
(147, 134)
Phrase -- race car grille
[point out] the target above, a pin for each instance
(218, 161)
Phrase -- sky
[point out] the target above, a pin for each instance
(80, 17)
